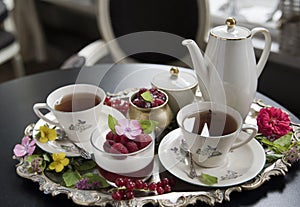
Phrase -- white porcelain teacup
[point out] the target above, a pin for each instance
(79, 117)
(211, 131)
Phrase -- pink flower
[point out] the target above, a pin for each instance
(26, 147)
(273, 123)
(129, 128)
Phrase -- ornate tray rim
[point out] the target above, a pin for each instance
(211, 196)
(96, 198)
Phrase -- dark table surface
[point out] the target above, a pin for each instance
(18, 97)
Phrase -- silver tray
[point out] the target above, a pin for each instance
(176, 198)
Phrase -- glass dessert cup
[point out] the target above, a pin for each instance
(135, 165)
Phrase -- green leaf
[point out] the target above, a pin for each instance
(83, 165)
(38, 135)
(30, 158)
(95, 177)
(71, 177)
(148, 125)
(47, 157)
(284, 141)
(112, 122)
(208, 179)
(272, 146)
(273, 157)
(280, 145)
(147, 96)
(54, 176)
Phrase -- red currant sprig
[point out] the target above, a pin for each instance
(126, 187)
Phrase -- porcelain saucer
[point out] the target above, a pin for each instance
(243, 163)
(65, 145)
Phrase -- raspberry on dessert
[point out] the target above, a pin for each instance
(143, 140)
(118, 148)
(117, 138)
(110, 135)
(124, 139)
(132, 146)
(107, 145)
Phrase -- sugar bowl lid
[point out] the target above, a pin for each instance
(230, 31)
(174, 80)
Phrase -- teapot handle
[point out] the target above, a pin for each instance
(267, 48)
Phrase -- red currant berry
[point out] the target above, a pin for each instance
(129, 195)
(117, 196)
(152, 186)
(120, 182)
(167, 188)
(130, 185)
(160, 190)
(165, 181)
(159, 184)
(127, 180)
(145, 186)
(139, 184)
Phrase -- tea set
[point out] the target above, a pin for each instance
(226, 74)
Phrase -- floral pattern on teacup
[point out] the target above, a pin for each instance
(209, 151)
(80, 126)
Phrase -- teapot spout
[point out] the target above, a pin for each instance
(209, 81)
(199, 67)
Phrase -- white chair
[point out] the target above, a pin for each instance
(9, 46)
(127, 29)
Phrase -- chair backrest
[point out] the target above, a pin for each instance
(152, 30)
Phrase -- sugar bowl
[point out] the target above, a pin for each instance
(151, 104)
(180, 86)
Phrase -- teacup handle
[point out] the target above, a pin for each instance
(252, 128)
(37, 110)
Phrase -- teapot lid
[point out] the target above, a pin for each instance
(230, 31)
(174, 80)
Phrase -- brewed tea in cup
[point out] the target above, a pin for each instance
(211, 131)
(77, 109)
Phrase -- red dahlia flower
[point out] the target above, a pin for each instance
(273, 123)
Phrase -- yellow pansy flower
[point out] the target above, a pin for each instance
(59, 162)
(47, 134)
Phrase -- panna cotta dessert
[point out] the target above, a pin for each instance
(124, 149)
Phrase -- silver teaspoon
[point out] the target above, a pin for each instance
(61, 135)
(188, 159)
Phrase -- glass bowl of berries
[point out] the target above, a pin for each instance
(151, 104)
(124, 149)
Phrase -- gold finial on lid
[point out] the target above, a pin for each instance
(230, 22)
(174, 71)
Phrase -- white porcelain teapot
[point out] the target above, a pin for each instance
(228, 72)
